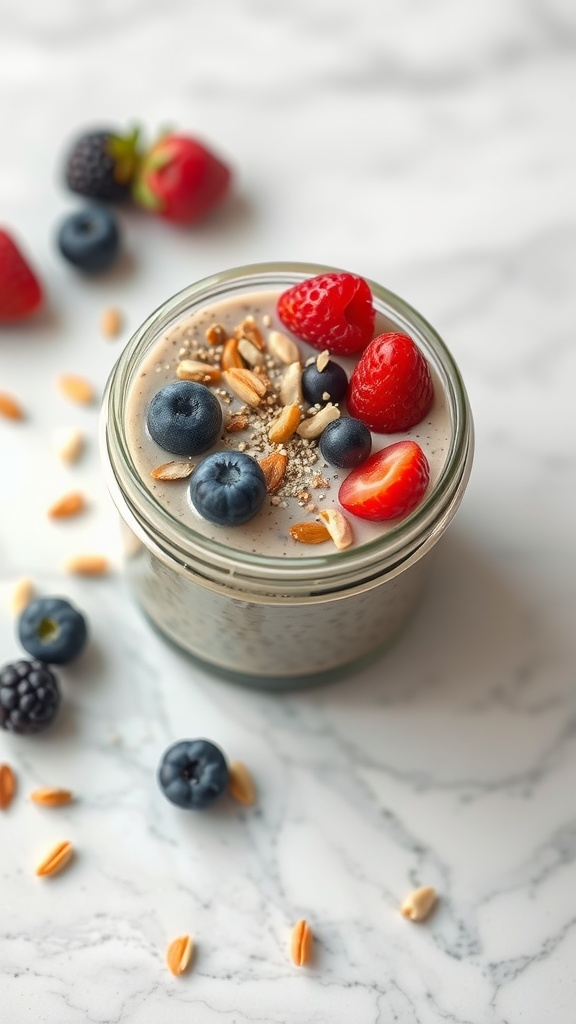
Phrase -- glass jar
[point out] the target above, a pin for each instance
(271, 621)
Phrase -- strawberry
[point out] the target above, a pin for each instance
(180, 180)
(391, 388)
(388, 485)
(20, 291)
(330, 311)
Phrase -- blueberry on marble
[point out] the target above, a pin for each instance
(51, 630)
(90, 239)
(185, 418)
(192, 774)
(317, 384)
(228, 488)
(29, 697)
(345, 442)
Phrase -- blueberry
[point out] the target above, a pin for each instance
(90, 239)
(193, 774)
(29, 697)
(228, 488)
(185, 418)
(345, 442)
(51, 630)
(317, 384)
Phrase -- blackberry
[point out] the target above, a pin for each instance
(102, 164)
(29, 697)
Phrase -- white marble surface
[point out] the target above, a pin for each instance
(431, 146)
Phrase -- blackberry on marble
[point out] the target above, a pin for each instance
(29, 697)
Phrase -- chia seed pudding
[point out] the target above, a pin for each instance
(251, 599)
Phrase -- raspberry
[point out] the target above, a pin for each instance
(330, 311)
(29, 697)
(391, 388)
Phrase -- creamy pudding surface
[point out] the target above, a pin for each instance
(309, 483)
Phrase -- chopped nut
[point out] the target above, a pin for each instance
(10, 408)
(283, 348)
(322, 360)
(284, 425)
(69, 443)
(57, 859)
(267, 320)
(77, 389)
(313, 426)
(173, 471)
(111, 322)
(245, 384)
(194, 369)
(179, 954)
(236, 423)
(216, 334)
(241, 784)
(248, 329)
(87, 565)
(22, 594)
(309, 533)
(7, 786)
(418, 905)
(250, 354)
(301, 943)
(291, 385)
(338, 527)
(48, 797)
(231, 357)
(274, 467)
(69, 505)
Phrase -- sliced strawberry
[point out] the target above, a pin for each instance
(391, 388)
(330, 311)
(20, 291)
(180, 179)
(388, 485)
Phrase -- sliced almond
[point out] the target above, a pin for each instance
(10, 408)
(236, 423)
(57, 859)
(245, 384)
(248, 329)
(87, 565)
(419, 904)
(69, 443)
(338, 527)
(274, 467)
(291, 385)
(241, 784)
(283, 348)
(322, 360)
(22, 594)
(49, 797)
(309, 533)
(68, 505)
(231, 356)
(179, 954)
(284, 425)
(216, 334)
(250, 354)
(173, 471)
(76, 389)
(301, 943)
(313, 426)
(194, 369)
(111, 322)
(7, 786)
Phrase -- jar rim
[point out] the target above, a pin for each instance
(179, 541)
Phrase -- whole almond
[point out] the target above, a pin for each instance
(338, 527)
(248, 329)
(274, 467)
(313, 426)
(48, 797)
(291, 385)
(309, 533)
(283, 348)
(57, 859)
(419, 904)
(216, 334)
(69, 443)
(111, 322)
(241, 784)
(284, 425)
(7, 786)
(231, 357)
(194, 369)
(301, 943)
(245, 384)
(179, 954)
(22, 594)
(250, 354)
(68, 505)
(10, 408)
(87, 565)
(76, 389)
(173, 471)
(237, 422)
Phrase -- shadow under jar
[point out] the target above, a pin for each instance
(295, 615)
